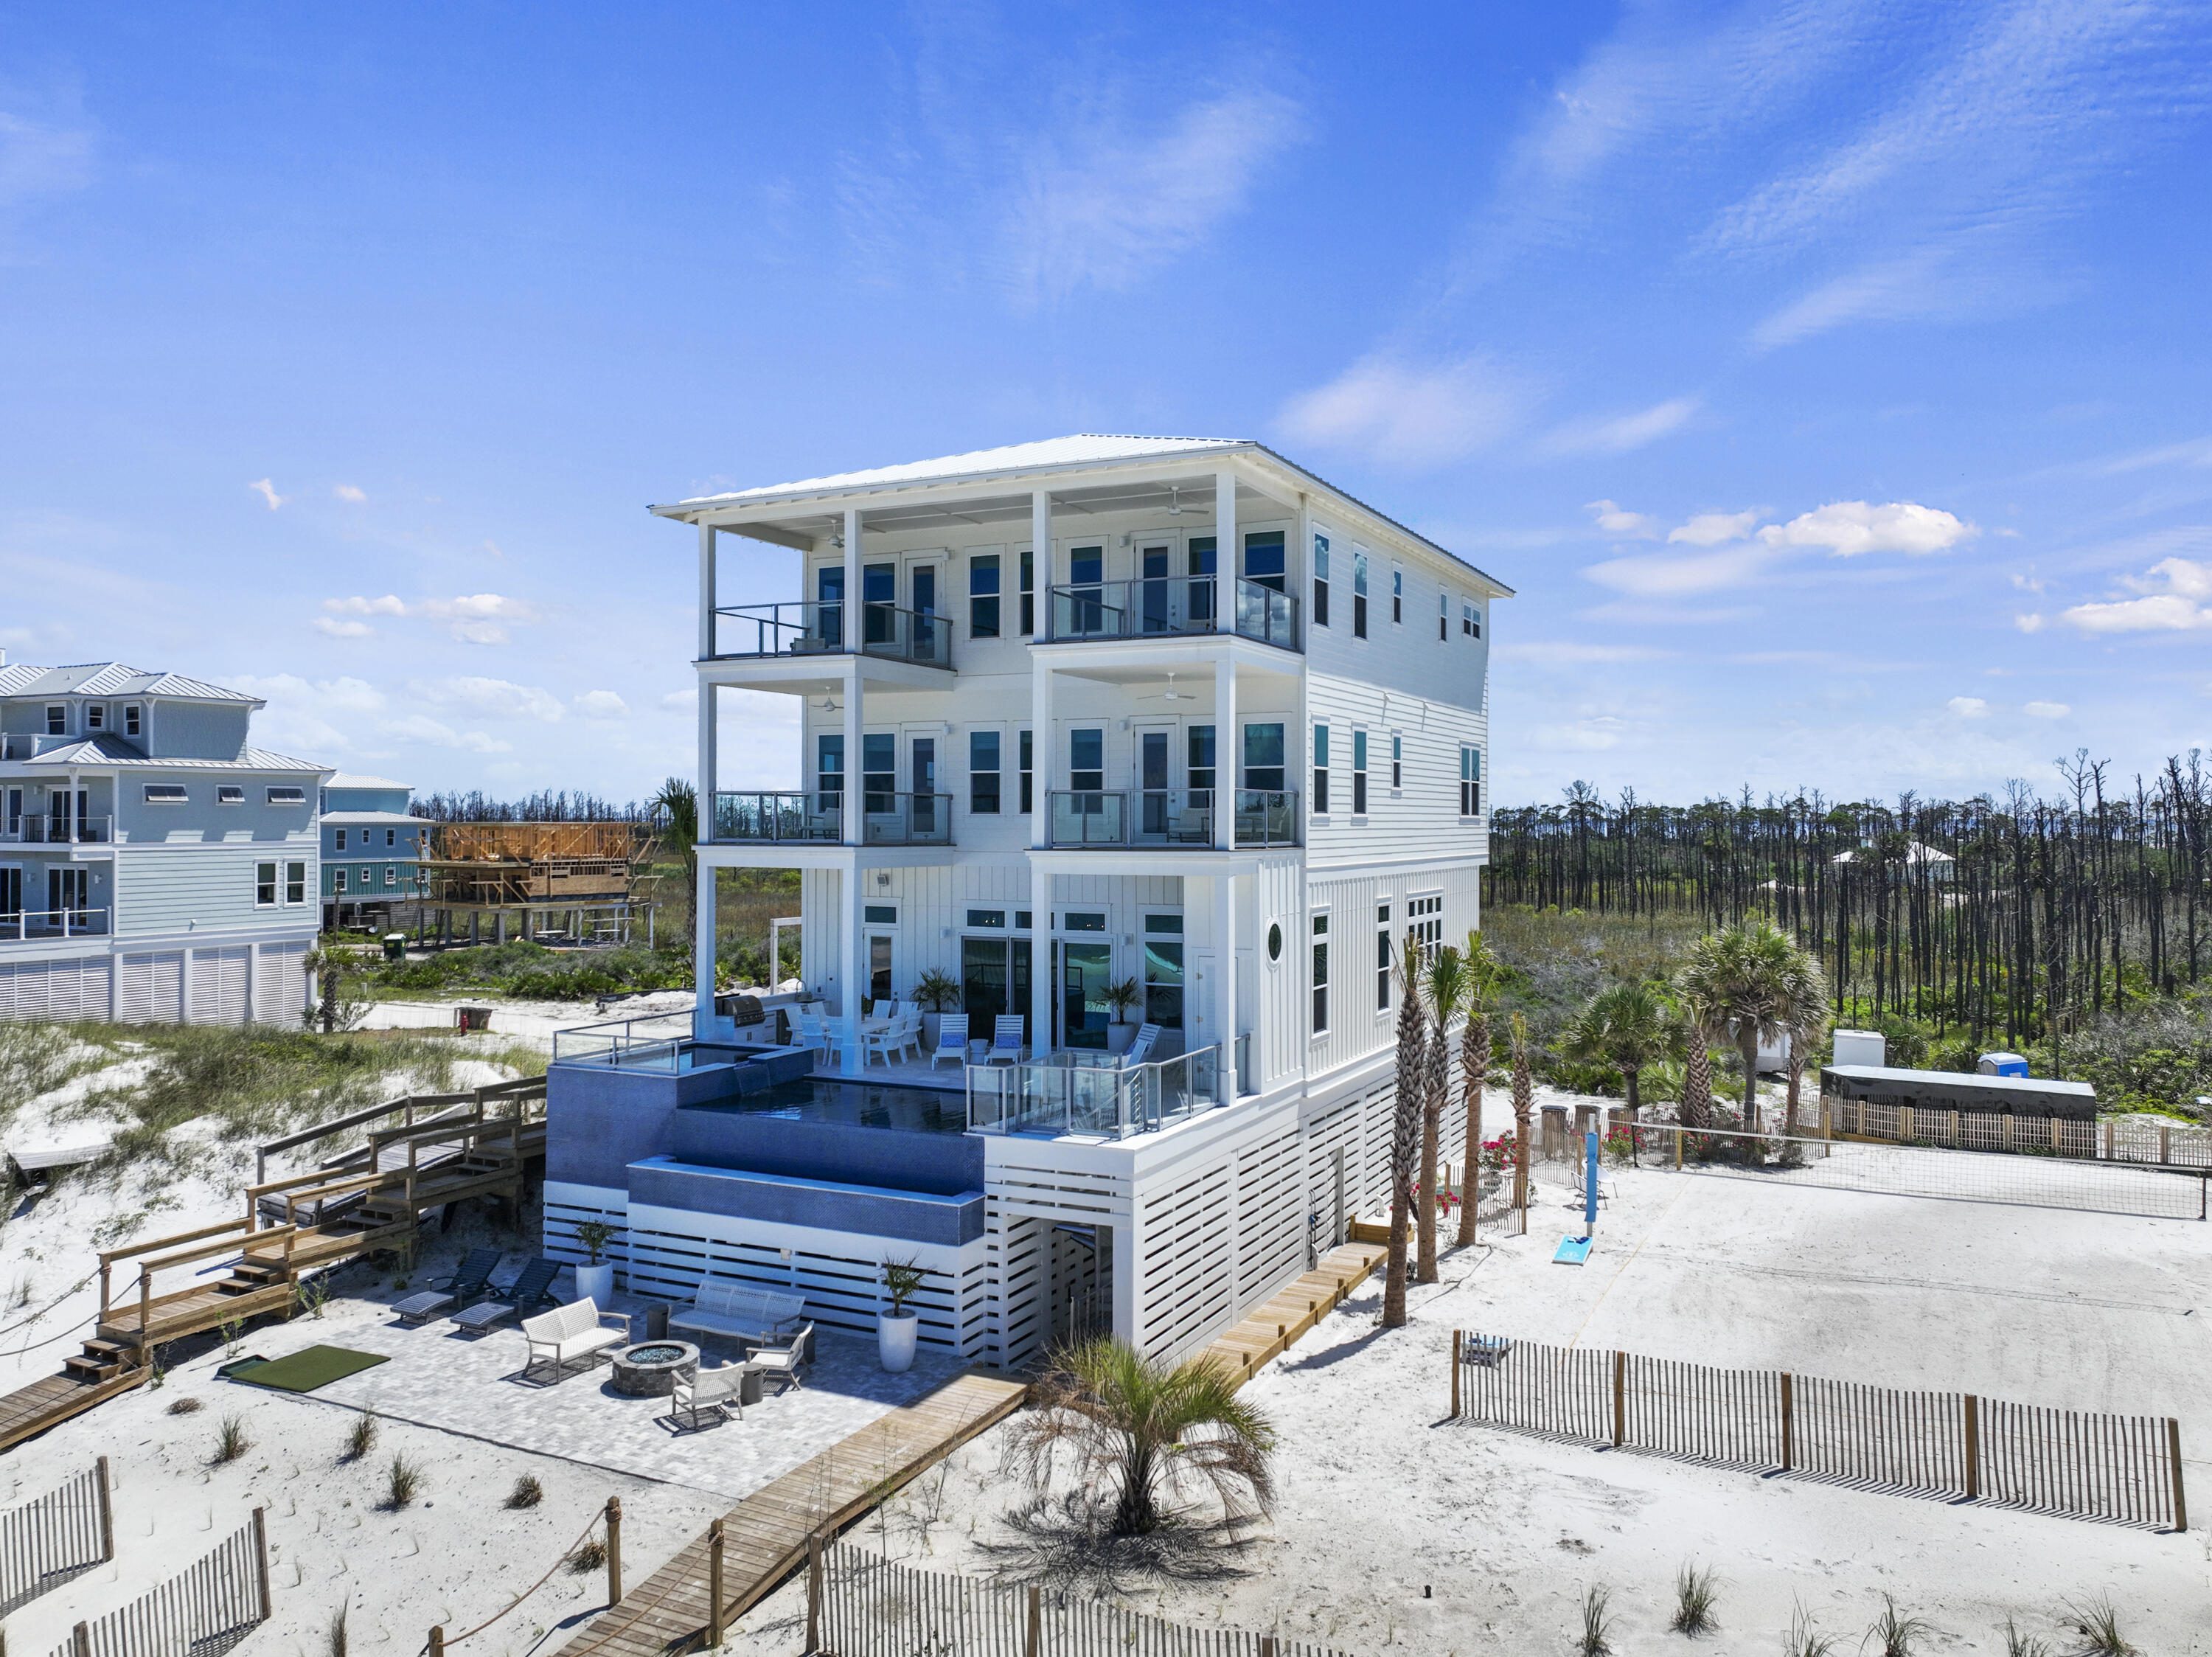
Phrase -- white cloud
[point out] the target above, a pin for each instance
(2048, 710)
(2174, 592)
(2030, 623)
(2196, 453)
(473, 619)
(1712, 528)
(491, 698)
(1568, 653)
(1623, 432)
(1848, 529)
(309, 719)
(420, 727)
(1616, 520)
(1404, 414)
(386, 605)
(343, 628)
(41, 158)
(1659, 576)
(349, 492)
(1593, 735)
(602, 705)
(682, 702)
(1967, 707)
(267, 491)
(1103, 205)
(2030, 582)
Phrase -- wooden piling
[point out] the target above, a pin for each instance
(813, 1594)
(1972, 1412)
(714, 1584)
(1455, 1383)
(2173, 1462)
(106, 1515)
(614, 1550)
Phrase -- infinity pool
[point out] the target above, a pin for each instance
(854, 1104)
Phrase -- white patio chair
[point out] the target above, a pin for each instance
(713, 1393)
(782, 1364)
(952, 1040)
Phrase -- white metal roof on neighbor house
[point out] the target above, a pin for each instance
(105, 750)
(354, 780)
(111, 679)
(374, 819)
(1071, 453)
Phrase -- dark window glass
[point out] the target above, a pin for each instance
(1263, 757)
(983, 772)
(1029, 594)
(983, 597)
(878, 771)
(1202, 757)
(1320, 972)
(879, 914)
(1086, 565)
(1072, 922)
(987, 918)
(829, 771)
(830, 614)
(1263, 558)
(1321, 581)
(1028, 769)
(1199, 604)
(1086, 760)
(1321, 770)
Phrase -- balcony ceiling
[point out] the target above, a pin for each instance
(1193, 495)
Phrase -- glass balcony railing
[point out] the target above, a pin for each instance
(1091, 1093)
(1170, 817)
(1171, 607)
(30, 831)
(659, 1041)
(806, 628)
(818, 818)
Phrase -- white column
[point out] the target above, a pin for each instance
(1044, 752)
(702, 950)
(853, 632)
(1227, 749)
(1041, 556)
(1224, 978)
(851, 623)
(706, 591)
(1226, 563)
(709, 769)
(854, 948)
(1128, 1303)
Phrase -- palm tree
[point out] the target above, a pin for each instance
(1627, 1026)
(677, 803)
(1145, 1430)
(1749, 978)
(1484, 974)
(1524, 1105)
(1405, 1127)
(1443, 984)
(1697, 1108)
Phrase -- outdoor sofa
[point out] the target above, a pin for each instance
(740, 1312)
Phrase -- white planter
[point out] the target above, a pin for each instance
(895, 1337)
(596, 1283)
(1118, 1038)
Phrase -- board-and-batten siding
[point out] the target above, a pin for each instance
(927, 899)
(74, 989)
(1358, 1028)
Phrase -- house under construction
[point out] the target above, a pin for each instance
(577, 883)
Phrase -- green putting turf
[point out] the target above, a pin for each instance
(304, 1371)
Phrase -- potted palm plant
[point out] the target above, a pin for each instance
(1122, 997)
(596, 1281)
(896, 1329)
(936, 990)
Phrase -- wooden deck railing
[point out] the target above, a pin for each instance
(2075, 1464)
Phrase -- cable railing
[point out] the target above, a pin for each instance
(1168, 817)
(818, 627)
(1169, 606)
(1083, 1092)
(29, 831)
(30, 925)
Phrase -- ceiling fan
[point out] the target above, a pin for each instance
(1171, 694)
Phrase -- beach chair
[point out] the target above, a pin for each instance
(782, 1364)
(529, 1288)
(709, 1393)
(1140, 1050)
(475, 1319)
(466, 1287)
(952, 1040)
(568, 1333)
(1006, 1040)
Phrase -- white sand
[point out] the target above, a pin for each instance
(1381, 1496)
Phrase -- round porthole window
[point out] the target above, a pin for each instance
(1275, 942)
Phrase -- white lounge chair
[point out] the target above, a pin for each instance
(1140, 1050)
(569, 1333)
(709, 1392)
(1006, 1040)
(952, 1040)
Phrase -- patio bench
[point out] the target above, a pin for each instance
(740, 1312)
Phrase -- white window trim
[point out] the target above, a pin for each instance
(1319, 911)
(233, 788)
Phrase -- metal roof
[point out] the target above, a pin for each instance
(111, 679)
(354, 780)
(105, 750)
(1962, 1078)
(345, 819)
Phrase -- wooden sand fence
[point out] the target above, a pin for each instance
(54, 1537)
(207, 1609)
(2140, 1138)
(2075, 1464)
(865, 1605)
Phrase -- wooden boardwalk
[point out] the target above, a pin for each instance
(765, 1536)
(55, 1399)
(1268, 1332)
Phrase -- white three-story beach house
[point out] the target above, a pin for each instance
(1072, 713)
(153, 864)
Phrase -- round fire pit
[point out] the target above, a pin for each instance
(649, 1371)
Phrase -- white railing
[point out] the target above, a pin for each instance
(654, 1042)
(1078, 1091)
(27, 830)
(30, 925)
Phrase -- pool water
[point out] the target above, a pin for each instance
(853, 1103)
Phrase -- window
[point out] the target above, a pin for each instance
(338, 882)
(878, 771)
(1397, 598)
(1443, 615)
(983, 597)
(1321, 771)
(879, 969)
(1470, 781)
(1359, 595)
(288, 797)
(264, 886)
(1028, 768)
(994, 920)
(829, 771)
(1320, 973)
(1397, 762)
(1470, 620)
(1029, 594)
(229, 795)
(1022, 919)
(57, 719)
(131, 720)
(164, 794)
(95, 717)
(1200, 769)
(1086, 566)
(1274, 941)
(390, 875)
(1263, 558)
(983, 772)
(1425, 922)
(1201, 605)
(1359, 773)
(879, 914)
(1086, 761)
(1163, 971)
(1321, 581)
(1074, 922)
(1382, 958)
(391, 836)
(295, 883)
(1263, 758)
(338, 839)
(367, 877)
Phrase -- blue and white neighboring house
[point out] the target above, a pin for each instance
(373, 849)
(155, 865)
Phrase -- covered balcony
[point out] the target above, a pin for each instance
(1173, 607)
(817, 818)
(1170, 818)
(1080, 1092)
(818, 628)
(55, 830)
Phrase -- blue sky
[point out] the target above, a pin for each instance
(1830, 379)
